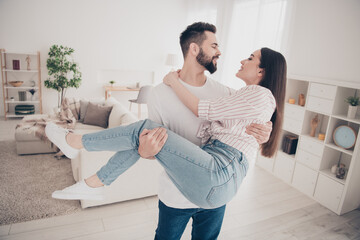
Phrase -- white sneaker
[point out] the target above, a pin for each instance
(57, 135)
(80, 191)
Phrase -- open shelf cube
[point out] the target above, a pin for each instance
(321, 127)
(297, 87)
(332, 157)
(336, 122)
(340, 106)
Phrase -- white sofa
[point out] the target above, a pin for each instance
(139, 181)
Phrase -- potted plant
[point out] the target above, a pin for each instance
(353, 102)
(63, 71)
(111, 82)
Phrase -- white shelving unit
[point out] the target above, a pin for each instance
(31, 79)
(309, 169)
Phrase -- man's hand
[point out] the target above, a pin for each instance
(151, 142)
(261, 132)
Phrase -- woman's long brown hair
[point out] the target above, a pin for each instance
(274, 65)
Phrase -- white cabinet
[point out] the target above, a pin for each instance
(309, 169)
(328, 192)
(292, 125)
(284, 167)
(311, 145)
(293, 118)
(321, 98)
(308, 159)
(304, 179)
(322, 90)
(320, 105)
(23, 68)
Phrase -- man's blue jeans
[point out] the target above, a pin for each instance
(172, 222)
(209, 176)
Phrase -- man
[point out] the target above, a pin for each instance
(200, 50)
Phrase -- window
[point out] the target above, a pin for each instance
(254, 24)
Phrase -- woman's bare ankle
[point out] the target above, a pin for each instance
(94, 181)
(74, 140)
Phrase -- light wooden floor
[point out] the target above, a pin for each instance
(265, 208)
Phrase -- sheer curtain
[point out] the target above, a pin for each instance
(253, 24)
(242, 27)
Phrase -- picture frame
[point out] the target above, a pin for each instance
(16, 64)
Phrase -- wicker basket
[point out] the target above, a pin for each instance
(16, 83)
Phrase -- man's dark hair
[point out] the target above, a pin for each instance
(194, 33)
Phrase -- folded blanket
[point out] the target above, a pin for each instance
(36, 125)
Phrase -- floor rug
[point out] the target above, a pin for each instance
(26, 184)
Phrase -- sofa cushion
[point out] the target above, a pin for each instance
(97, 115)
(120, 116)
(84, 104)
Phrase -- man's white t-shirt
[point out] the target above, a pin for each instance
(166, 108)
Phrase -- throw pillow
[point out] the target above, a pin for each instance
(97, 115)
(84, 105)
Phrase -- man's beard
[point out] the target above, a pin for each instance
(206, 61)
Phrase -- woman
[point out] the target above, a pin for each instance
(208, 176)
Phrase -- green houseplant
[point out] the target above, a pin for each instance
(63, 71)
(353, 102)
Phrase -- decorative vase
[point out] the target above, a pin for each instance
(352, 111)
(22, 95)
(334, 168)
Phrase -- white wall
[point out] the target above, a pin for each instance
(325, 39)
(107, 34)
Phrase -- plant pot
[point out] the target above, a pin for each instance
(352, 112)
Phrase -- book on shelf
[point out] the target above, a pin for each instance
(289, 144)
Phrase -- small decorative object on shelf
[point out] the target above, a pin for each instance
(353, 102)
(314, 123)
(289, 144)
(334, 168)
(22, 95)
(344, 136)
(16, 83)
(16, 64)
(12, 99)
(32, 92)
(301, 101)
(321, 136)
(292, 100)
(24, 109)
(28, 60)
(340, 172)
(111, 82)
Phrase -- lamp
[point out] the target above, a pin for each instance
(171, 60)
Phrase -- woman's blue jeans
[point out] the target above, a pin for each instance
(209, 176)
